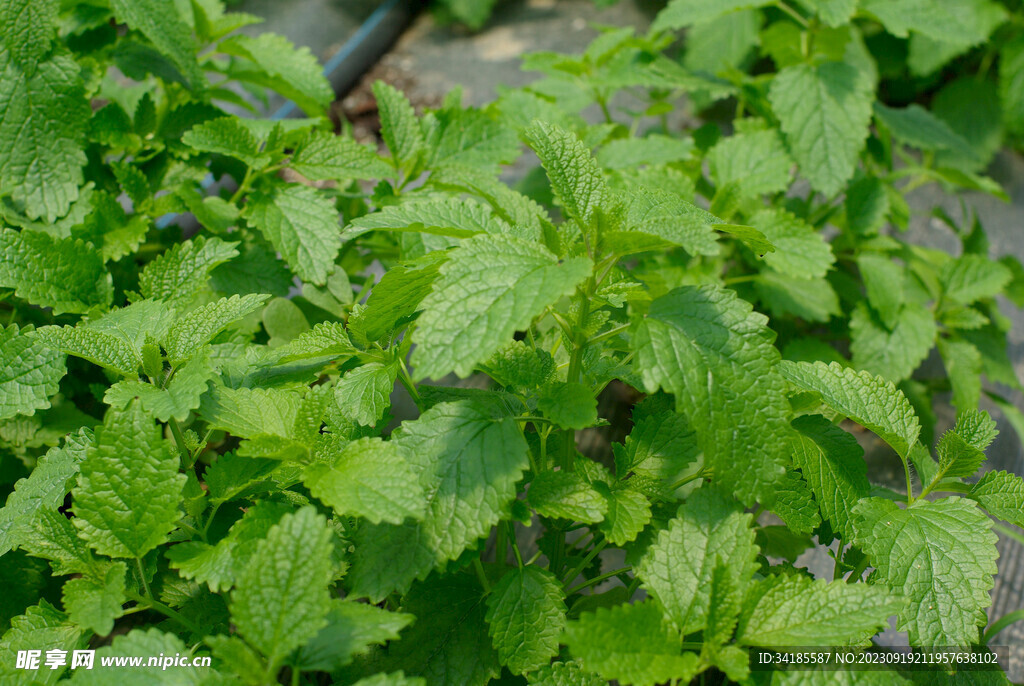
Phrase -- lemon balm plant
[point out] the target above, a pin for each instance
(198, 440)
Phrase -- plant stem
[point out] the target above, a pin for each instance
(1009, 532)
(166, 611)
(406, 379)
(179, 440)
(515, 544)
(586, 561)
(480, 575)
(501, 544)
(610, 333)
(857, 571)
(1001, 623)
(793, 13)
(910, 486)
(597, 579)
(242, 187)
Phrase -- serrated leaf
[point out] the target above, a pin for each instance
(293, 72)
(755, 161)
(884, 283)
(324, 339)
(796, 610)
(352, 628)
(715, 355)
(42, 627)
(197, 328)
(1011, 84)
(572, 170)
(521, 366)
(164, 27)
(27, 28)
(227, 136)
(371, 478)
(490, 287)
(179, 397)
(799, 250)
(248, 412)
(867, 204)
(813, 300)
(302, 225)
(946, 20)
(391, 679)
(94, 603)
(677, 568)
(795, 504)
(43, 489)
(973, 277)
(626, 153)
(181, 272)
(568, 405)
(42, 157)
(961, 450)
(681, 13)
(442, 217)
(1002, 494)
(129, 488)
(630, 643)
(53, 537)
(893, 354)
(30, 373)
(396, 297)
(655, 217)
(281, 598)
(560, 673)
(364, 394)
(869, 400)
(941, 555)
(448, 644)
(525, 618)
(150, 642)
(468, 464)
(919, 128)
(831, 461)
(566, 495)
(323, 156)
(660, 446)
(824, 111)
(66, 274)
(628, 513)
(399, 127)
(469, 137)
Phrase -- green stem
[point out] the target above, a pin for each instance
(1001, 623)
(699, 474)
(793, 13)
(586, 561)
(515, 544)
(406, 379)
(857, 571)
(741, 279)
(242, 187)
(166, 611)
(605, 111)
(142, 579)
(610, 333)
(479, 568)
(596, 580)
(501, 544)
(1009, 533)
(910, 485)
(295, 676)
(179, 440)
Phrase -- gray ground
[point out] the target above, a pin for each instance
(429, 61)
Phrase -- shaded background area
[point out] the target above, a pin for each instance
(428, 61)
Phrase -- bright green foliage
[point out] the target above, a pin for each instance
(176, 399)
(399, 126)
(799, 251)
(680, 13)
(294, 73)
(67, 275)
(489, 288)
(566, 495)
(1002, 494)
(189, 333)
(824, 111)
(631, 643)
(573, 173)
(794, 610)
(525, 618)
(892, 354)
(677, 569)
(447, 217)
(352, 629)
(31, 370)
(128, 488)
(227, 136)
(364, 394)
(322, 156)
(715, 356)
(95, 603)
(140, 642)
(628, 513)
(569, 405)
(755, 161)
(940, 555)
(281, 597)
(176, 275)
(162, 24)
(41, 627)
(972, 277)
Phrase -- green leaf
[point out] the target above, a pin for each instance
(163, 26)
(797, 610)
(564, 674)
(352, 628)
(1002, 494)
(441, 217)
(655, 217)
(884, 283)
(42, 157)
(399, 127)
(227, 136)
(867, 204)
(677, 569)
(468, 465)
(176, 399)
(519, 365)
(824, 111)
(716, 356)
(795, 505)
(197, 328)
(834, 13)
(147, 642)
(364, 394)
(324, 339)
(813, 300)
(566, 495)
(627, 153)
(525, 618)
(27, 29)
(67, 275)
(941, 555)
(53, 537)
(961, 450)
(248, 412)
(129, 488)
(490, 287)
(799, 250)
(574, 174)
(448, 644)
(831, 461)
(953, 21)
(628, 513)
(94, 603)
(568, 405)
(660, 446)
(181, 272)
(30, 374)
(396, 297)
(1011, 84)
(755, 161)
(682, 13)
(302, 225)
(42, 627)
(391, 679)
(281, 599)
(723, 43)
(970, 278)
(630, 643)
(371, 478)
(894, 354)
(323, 156)
(869, 400)
(919, 128)
(43, 489)
(293, 72)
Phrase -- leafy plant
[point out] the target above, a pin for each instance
(199, 438)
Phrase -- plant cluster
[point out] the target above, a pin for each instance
(199, 448)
